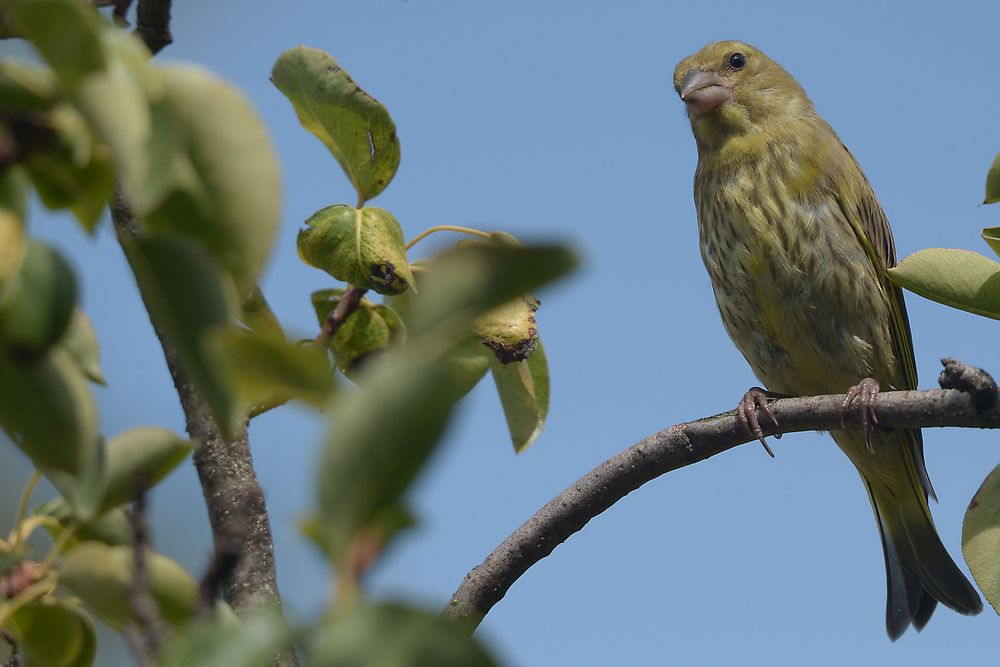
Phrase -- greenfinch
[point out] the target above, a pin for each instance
(797, 247)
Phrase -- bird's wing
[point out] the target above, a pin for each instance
(874, 234)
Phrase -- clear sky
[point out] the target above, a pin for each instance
(557, 120)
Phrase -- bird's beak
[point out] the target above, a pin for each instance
(704, 91)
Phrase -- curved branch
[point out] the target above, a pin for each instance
(969, 399)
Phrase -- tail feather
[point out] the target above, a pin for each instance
(919, 570)
(904, 593)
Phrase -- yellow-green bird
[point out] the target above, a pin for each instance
(797, 248)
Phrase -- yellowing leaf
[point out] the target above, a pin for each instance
(981, 537)
(363, 247)
(510, 330)
(352, 124)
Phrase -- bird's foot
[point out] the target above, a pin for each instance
(747, 412)
(865, 391)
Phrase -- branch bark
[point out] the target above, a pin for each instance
(152, 24)
(233, 496)
(145, 633)
(335, 319)
(969, 399)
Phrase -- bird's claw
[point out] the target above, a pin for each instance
(747, 412)
(866, 391)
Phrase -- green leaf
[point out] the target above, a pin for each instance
(269, 370)
(958, 278)
(383, 435)
(466, 364)
(352, 124)
(324, 301)
(66, 34)
(36, 305)
(249, 641)
(102, 575)
(114, 102)
(26, 87)
(523, 387)
(391, 634)
(111, 527)
(13, 222)
(992, 236)
(69, 169)
(8, 559)
(993, 182)
(14, 191)
(509, 329)
(47, 409)
(256, 314)
(469, 281)
(141, 456)
(981, 537)
(363, 247)
(223, 184)
(84, 489)
(54, 633)
(80, 340)
(191, 299)
(366, 332)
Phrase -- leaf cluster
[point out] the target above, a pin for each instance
(187, 166)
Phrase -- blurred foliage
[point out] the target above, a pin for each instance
(968, 281)
(186, 155)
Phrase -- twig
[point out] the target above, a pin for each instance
(225, 469)
(226, 556)
(14, 660)
(145, 631)
(335, 318)
(684, 444)
(152, 24)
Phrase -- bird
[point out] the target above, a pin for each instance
(797, 248)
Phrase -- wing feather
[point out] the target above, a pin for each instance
(873, 232)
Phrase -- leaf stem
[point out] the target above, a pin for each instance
(22, 506)
(447, 228)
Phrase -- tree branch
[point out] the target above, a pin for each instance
(145, 631)
(232, 493)
(227, 554)
(975, 405)
(14, 660)
(335, 319)
(152, 24)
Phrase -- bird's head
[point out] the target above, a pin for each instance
(732, 88)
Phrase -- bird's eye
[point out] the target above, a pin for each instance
(737, 61)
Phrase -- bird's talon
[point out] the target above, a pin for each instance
(747, 412)
(867, 391)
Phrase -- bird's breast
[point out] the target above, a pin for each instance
(793, 285)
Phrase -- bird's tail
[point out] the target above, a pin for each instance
(919, 570)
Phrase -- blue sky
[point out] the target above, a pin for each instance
(558, 120)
